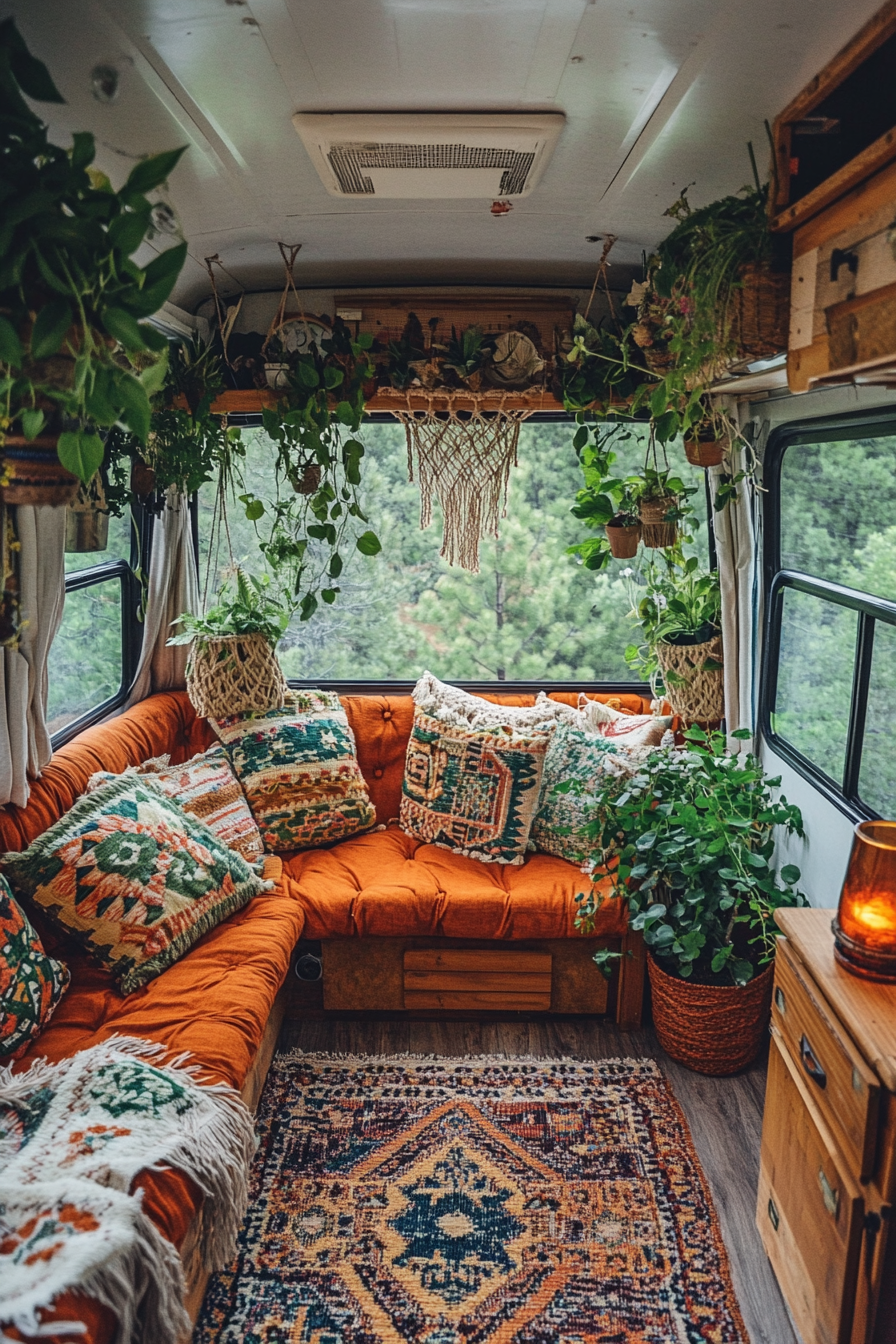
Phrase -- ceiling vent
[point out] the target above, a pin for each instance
(447, 156)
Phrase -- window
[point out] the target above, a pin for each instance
(90, 663)
(532, 613)
(830, 653)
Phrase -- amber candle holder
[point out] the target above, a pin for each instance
(865, 927)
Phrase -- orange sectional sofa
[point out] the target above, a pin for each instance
(369, 900)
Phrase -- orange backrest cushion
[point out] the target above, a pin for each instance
(167, 722)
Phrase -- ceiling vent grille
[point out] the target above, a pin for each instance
(437, 156)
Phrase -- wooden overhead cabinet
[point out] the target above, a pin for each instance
(834, 188)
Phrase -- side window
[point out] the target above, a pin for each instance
(830, 655)
(88, 669)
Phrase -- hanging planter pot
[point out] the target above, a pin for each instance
(34, 475)
(276, 375)
(143, 479)
(694, 691)
(308, 481)
(705, 452)
(656, 532)
(233, 674)
(761, 311)
(623, 536)
(714, 1029)
(87, 519)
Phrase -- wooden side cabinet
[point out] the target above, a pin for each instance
(827, 1178)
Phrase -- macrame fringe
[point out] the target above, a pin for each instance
(464, 464)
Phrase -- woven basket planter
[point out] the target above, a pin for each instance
(702, 697)
(34, 473)
(760, 312)
(705, 452)
(716, 1029)
(623, 540)
(234, 674)
(655, 531)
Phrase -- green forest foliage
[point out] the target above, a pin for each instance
(838, 505)
(531, 613)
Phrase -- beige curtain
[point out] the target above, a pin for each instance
(24, 738)
(735, 534)
(173, 589)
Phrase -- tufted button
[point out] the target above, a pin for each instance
(387, 713)
(378, 773)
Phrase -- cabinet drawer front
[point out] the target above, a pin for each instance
(842, 1085)
(809, 1212)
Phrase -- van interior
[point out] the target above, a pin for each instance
(448, 864)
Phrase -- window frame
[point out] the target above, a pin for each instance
(250, 420)
(131, 626)
(843, 793)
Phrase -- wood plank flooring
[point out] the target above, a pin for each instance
(724, 1114)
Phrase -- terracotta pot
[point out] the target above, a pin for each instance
(623, 539)
(705, 452)
(35, 474)
(716, 1029)
(143, 479)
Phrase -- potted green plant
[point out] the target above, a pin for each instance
(689, 843)
(233, 665)
(662, 505)
(607, 503)
(679, 611)
(464, 356)
(70, 295)
(600, 371)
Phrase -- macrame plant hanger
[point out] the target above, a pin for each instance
(226, 317)
(289, 252)
(463, 459)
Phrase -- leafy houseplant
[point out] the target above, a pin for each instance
(70, 295)
(303, 531)
(232, 665)
(601, 371)
(679, 612)
(689, 843)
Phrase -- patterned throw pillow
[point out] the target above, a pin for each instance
(586, 755)
(132, 878)
(473, 790)
(462, 710)
(299, 770)
(205, 787)
(31, 983)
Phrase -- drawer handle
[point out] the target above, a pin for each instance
(780, 1001)
(811, 1064)
(774, 1216)
(829, 1194)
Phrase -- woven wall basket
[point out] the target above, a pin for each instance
(34, 473)
(655, 531)
(234, 674)
(702, 698)
(761, 312)
(717, 1029)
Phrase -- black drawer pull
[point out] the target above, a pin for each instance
(811, 1064)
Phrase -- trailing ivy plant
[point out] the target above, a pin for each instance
(689, 843)
(304, 530)
(70, 293)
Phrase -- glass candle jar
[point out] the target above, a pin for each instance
(865, 927)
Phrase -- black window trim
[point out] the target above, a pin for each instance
(131, 625)
(843, 794)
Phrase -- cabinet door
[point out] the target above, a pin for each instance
(810, 1209)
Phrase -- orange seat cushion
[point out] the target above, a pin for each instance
(389, 885)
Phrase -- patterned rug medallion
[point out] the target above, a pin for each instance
(403, 1200)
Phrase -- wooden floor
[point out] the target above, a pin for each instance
(725, 1116)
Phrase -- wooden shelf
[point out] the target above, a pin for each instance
(253, 400)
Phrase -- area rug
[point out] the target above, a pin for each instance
(408, 1200)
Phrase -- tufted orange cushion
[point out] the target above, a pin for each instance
(389, 885)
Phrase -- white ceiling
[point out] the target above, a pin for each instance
(656, 94)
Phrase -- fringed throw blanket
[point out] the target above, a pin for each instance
(73, 1136)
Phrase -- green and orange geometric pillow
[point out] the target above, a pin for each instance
(132, 879)
(31, 983)
(298, 766)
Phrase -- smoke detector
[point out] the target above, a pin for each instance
(443, 156)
